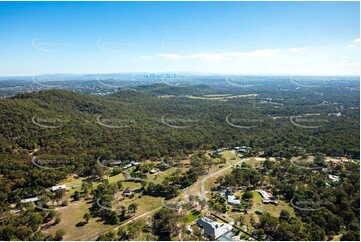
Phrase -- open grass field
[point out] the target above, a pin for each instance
(231, 156)
(145, 203)
(192, 216)
(222, 97)
(163, 174)
(71, 215)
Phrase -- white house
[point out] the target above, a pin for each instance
(213, 228)
(55, 188)
(133, 163)
(27, 200)
(153, 171)
(334, 178)
(232, 200)
(267, 197)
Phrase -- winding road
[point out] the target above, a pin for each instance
(203, 191)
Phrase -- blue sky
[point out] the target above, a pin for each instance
(306, 38)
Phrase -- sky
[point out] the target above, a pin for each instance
(253, 38)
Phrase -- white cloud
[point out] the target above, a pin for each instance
(299, 49)
(351, 46)
(170, 56)
(356, 40)
(222, 56)
(344, 58)
(354, 64)
(147, 57)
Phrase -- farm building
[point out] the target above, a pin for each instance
(27, 200)
(267, 197)
(128, 192)
(55, 188)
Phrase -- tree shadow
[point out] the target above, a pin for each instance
(80, 224)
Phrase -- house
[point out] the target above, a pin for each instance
(117, 163)
(128, 192)
(219, 150)
(232, 200)
(267, 197)
(237, 148)
(27, 200)
(127, 166)
(153, 171)
(259, 212)
(55, 188)
(242, 150)
(225, 192)
(213, 228)
(133, 163)
(228, 236)
(334, 178)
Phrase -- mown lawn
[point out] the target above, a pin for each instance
(230, 156)
(193, 216)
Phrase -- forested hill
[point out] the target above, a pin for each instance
(167, 89)
(133, 125)
(147, 136)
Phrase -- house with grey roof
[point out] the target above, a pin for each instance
(213, 228)
(232, 200)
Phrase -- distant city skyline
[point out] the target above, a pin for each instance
(243, 38)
